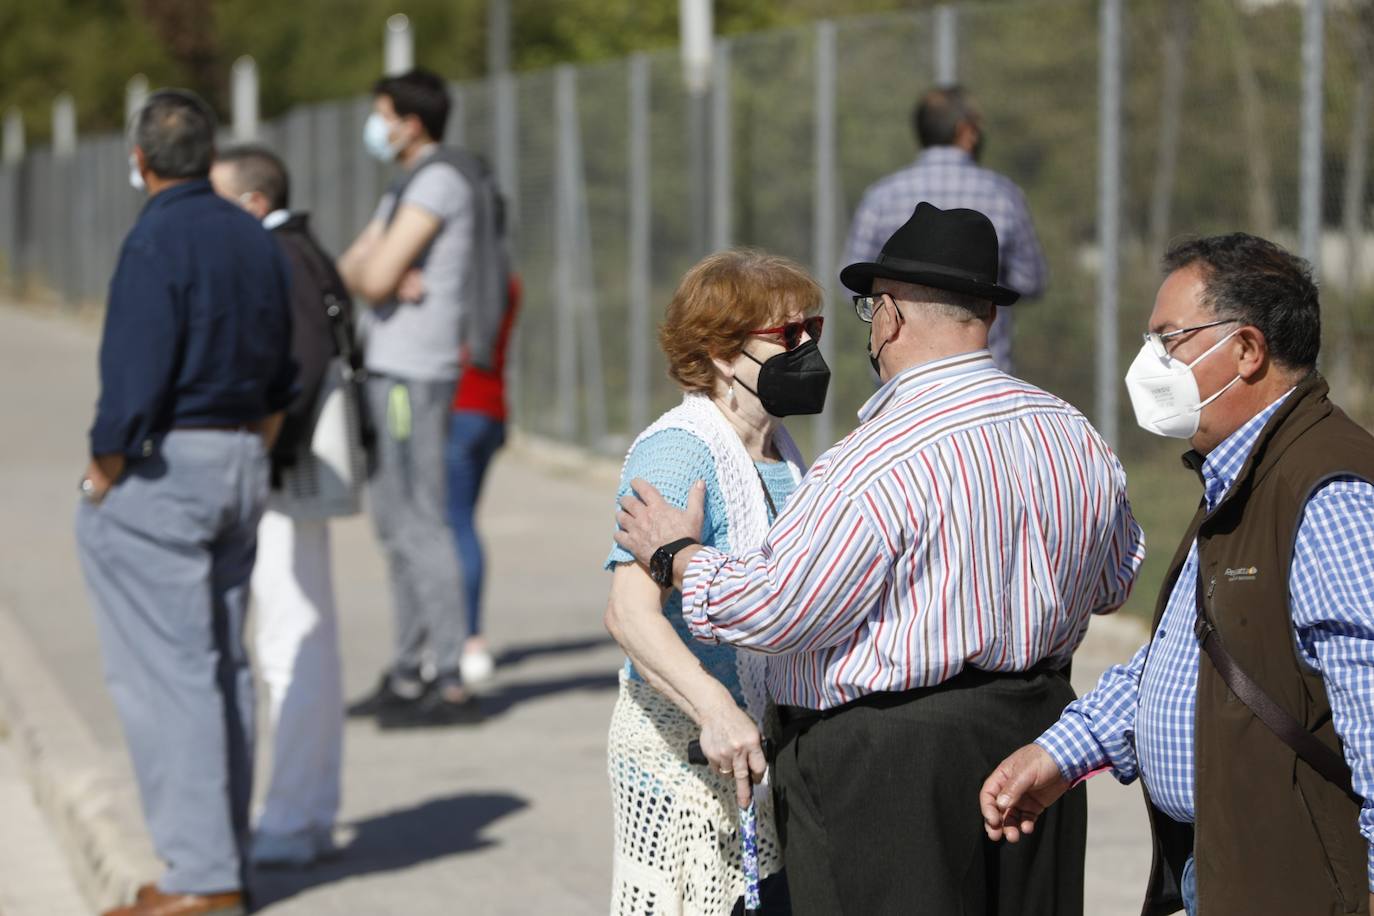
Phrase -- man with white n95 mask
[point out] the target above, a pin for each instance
(1249, 716)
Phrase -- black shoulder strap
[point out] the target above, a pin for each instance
(1288, 729)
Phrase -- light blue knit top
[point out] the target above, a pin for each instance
(672, 460)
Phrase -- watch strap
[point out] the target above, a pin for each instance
(661, 564)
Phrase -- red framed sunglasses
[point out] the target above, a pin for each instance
(791, 333)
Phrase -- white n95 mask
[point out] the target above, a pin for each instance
(135, 176)
(1164, 392)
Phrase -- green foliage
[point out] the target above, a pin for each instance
(313, 50)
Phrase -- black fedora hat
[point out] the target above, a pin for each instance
(947, 249)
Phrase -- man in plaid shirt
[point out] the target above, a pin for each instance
(949, 127)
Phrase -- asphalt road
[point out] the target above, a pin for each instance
(511, 816)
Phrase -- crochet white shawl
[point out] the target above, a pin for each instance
(746, 510)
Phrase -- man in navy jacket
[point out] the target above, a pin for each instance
(195, 371)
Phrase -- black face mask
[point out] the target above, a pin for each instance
(873, 357)
(792, 383)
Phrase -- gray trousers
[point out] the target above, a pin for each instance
(408, 496)
(167, 557)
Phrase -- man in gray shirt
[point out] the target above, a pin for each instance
(414, 264)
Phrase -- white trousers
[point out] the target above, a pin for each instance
(296, 641)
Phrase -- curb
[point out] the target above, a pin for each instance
(88, 804)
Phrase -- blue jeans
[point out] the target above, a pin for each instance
(472, 441)
(1189, 887)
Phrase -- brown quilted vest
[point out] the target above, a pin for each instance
(1271, 836)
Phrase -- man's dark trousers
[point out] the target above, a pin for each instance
(167, 557)
(877, 804)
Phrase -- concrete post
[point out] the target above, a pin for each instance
(946, 45)
(399, 50)
(245, 99)
(64, 125)
(135, 95)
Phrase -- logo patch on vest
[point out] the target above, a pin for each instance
(1244, 574)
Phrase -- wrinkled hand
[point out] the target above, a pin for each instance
(648, 521)
(732, 743)
(1018, 792)
(412, 286)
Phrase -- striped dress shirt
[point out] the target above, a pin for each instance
(947, 177)
(970, 520)
(1140, 719)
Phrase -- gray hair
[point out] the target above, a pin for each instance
(942, 303)
(176, 131)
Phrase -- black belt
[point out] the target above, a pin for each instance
(969, 678)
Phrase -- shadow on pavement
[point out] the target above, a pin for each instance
(396, 840)
(517, 654)
(499, 701)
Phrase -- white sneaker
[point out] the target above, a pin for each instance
(477, 667)
(284, 850)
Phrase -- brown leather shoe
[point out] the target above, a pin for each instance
(153, 902)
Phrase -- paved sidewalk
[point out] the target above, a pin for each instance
(509, 817)
(34, 876)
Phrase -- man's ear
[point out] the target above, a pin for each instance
(140, 158)
(1254, 352)
(413, 122)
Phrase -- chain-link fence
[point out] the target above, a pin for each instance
(620, 178)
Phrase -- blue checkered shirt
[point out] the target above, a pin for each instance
(947, 177)
(1139, 720)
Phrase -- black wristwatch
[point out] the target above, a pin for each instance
(661, 563)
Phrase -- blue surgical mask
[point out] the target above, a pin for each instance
(377, 139)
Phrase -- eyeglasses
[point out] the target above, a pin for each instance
(866, 306)
(1157, 341)
(791, 333)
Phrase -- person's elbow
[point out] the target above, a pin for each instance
(375, 286)
(614, 620)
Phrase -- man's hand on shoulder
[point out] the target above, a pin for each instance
(647, 521)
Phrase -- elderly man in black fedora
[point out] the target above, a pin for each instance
(922, 593)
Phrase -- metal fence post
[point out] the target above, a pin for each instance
(399, 48)
(946, 45)
(506, 152)
(1310, 197)
(245, 99)
(12, 149)
(637, 279)
(11, 213)
(722, 166)
(823, 219)
(564, 272)
(1109, 218)
(498, 37)
(64, 168)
